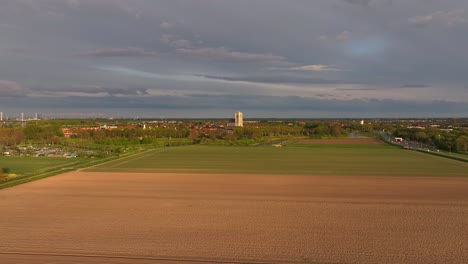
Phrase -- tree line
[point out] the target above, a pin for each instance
(202, 132)
(455, 140)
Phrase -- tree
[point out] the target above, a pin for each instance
(336, 131)
(462, 144)
(421, 136)
(194, 136)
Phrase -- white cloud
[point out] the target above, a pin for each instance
(315, 67)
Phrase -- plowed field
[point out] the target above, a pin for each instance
(97, 217)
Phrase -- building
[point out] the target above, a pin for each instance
(238, 119)
(68, 133)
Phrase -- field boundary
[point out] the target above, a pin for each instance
(341, 141)
(34, 177)
(443, 155)
(58, 171)
(129, 157)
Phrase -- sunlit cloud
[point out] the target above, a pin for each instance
(316, 67)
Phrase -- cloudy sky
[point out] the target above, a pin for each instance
(209, 58)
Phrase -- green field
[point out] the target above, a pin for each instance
(26, 169)
(295, 160)
(24, 166)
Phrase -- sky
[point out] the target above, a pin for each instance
(210, 58)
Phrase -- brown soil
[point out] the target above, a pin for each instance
(84, 217)
(342, 141)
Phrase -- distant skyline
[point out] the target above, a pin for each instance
(211, 58)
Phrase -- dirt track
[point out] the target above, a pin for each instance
(245, 218)
(342, 141)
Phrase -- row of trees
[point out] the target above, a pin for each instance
(51, 133)
(44, 133)
(324, 130)
(172, 132)
(10, 136)
(442, 139)
(201, 132)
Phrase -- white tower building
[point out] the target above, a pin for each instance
(239, 119)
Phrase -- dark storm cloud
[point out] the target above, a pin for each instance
(206, 103)
(109, 49)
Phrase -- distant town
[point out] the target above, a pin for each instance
(69, 138)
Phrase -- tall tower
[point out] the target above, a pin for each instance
(239, 119)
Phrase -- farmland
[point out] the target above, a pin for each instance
(95, 217)
(342, 141)
(337, 160)
(21, 170)
(25, 166)
(303, 203)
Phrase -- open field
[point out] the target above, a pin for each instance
(34, 165)
(27, 169)
(458, 155)
(243, 205)
(342, 141)
(291, 160)
(93, 217)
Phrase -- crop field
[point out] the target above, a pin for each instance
(337, 160)
(95, 217)
(342, 141)
(213, 204)
(24, 166)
